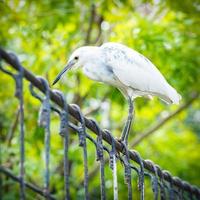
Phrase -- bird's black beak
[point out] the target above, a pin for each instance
(69, 66)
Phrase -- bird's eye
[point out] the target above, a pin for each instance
(76, 57)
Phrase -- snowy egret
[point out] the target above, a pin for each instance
(132, 73)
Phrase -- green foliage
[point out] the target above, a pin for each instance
(44, 33)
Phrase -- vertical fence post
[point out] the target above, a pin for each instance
(113, 165)
(162, 184)
(154, 180)
(127, 171)
(66, 159)
(64, 131)
(44, 121)
(140, 174)
(100, 158)
(83, 144)
(180, 191)
(19, 95)
(170, 189)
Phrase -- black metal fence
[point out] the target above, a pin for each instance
(164, 186)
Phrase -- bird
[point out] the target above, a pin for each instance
(126, 69)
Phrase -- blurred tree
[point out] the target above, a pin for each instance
(44, 33)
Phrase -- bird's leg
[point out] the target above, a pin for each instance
(124, 136)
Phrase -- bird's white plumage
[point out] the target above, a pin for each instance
(124, 68)
(137, 72)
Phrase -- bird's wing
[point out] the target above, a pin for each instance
(136, 71)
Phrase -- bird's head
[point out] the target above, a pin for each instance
(78, 59)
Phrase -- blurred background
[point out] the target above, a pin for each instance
(44, 33)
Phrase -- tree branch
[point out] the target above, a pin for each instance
(94, 19)
(12, 128)
(99, 20)
(88, 35)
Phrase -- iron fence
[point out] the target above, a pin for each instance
(163, 184)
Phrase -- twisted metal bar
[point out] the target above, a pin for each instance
(89, 124)
(127, 171)
(83, 144)
(171, 191)
(64, 131)
(155, 183)
(141, 174)
(44, 121)
(100, 158)
(162, 184)
(113, 166)
(19, 95)
(180, 191)
(152, 178)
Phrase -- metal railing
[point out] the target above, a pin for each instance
(164, 185)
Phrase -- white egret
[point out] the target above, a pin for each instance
(132, 73)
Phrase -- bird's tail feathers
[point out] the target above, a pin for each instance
(173, 95)
(170, 97)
